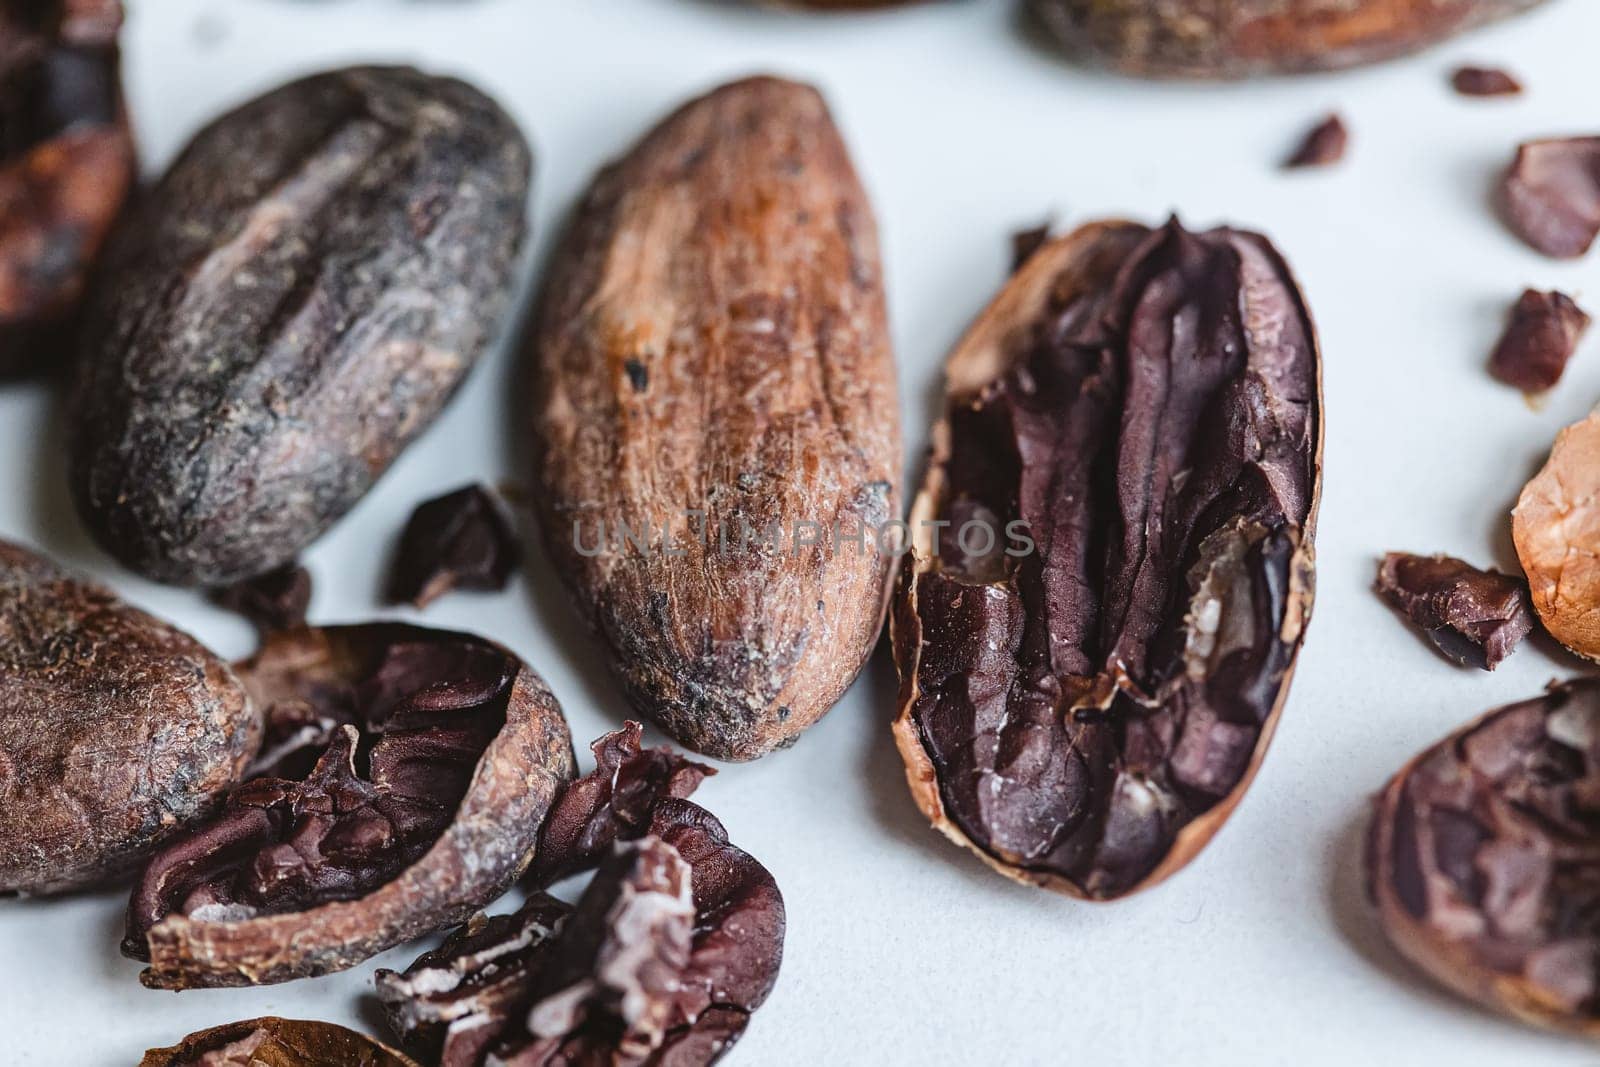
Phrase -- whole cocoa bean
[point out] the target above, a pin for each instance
(66, 166)
(716, 429)
(116, 730)
(1112, 562)
(293, 304)
(1208, 39)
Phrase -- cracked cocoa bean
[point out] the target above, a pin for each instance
(674, 944)
(1206, 39)
(716, 425)
(1086, 696)
(274, 1042)
(401, 786)
(290, 306)
(1473, 617)
(1483, 859)
(66, 166)
(116, 730)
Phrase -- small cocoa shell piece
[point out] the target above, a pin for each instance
(66, 166)
(715, 422)
(1209, 39)
(402, 786)
(116, 730)
(1111, 568)
(1483, 859)
(289, 307)
(273, 1042)
(1556, 528)
(1550, 196)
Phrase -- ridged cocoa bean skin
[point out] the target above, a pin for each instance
(712, 336)
(116, 729)
(1086, 710)
(66, 168)
(292, 304)
(1207, 39)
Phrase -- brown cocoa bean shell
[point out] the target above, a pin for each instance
(273, 1042)
(487, 845)
(293, 303)
(116, 729)
(1481, 859)
(67, 167)
(713, 336)
(1205, 39)
(1107, 734)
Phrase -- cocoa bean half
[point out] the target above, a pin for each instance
(1112, 565)
(712, 365)
(293, 304)
(1483, 859)
(1208, 39)
(66, 167)
(401, 787)
(116, 730)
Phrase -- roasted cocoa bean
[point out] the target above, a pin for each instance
(273, 1042)
(292, 304)
(716, 430)
(1483, 859)
(116, 730)
(66, 166)
(1207, 39)
(1556, 528)
(663, 960)
(1134, 429)
(401, 786)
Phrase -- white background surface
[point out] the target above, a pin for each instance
(901, 948)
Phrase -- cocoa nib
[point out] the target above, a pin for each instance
(1476, 618)
(1542, 333)
(1483, 859)
(66, 166)
(1208, 39)
(274, 601)
(115, 729)
(278, 1043)
(1323, 145)
(1484, 81)
(462, 540)
(716, 433)
(400, 787)
(1551, 195)
(1084, 704)
(289, 307)
(676, 941)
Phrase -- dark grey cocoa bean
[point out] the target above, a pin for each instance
(116, 729)
(294, 302)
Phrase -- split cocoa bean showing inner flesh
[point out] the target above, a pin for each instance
(66, 166)
(400, 787)
(116, 729)
(1112, 565)
(676, 941)
(1483, 859)
(716, 432)
(273, 1042)
(289, 307)
(1208, 39)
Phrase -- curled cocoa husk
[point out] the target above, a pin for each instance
(1111, 571)
(116, 729)
(1483, 860)
(1556, 528)
(66, 167)
(1211, 40)
(400, 787)
(716, 431)
(274, 1042)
